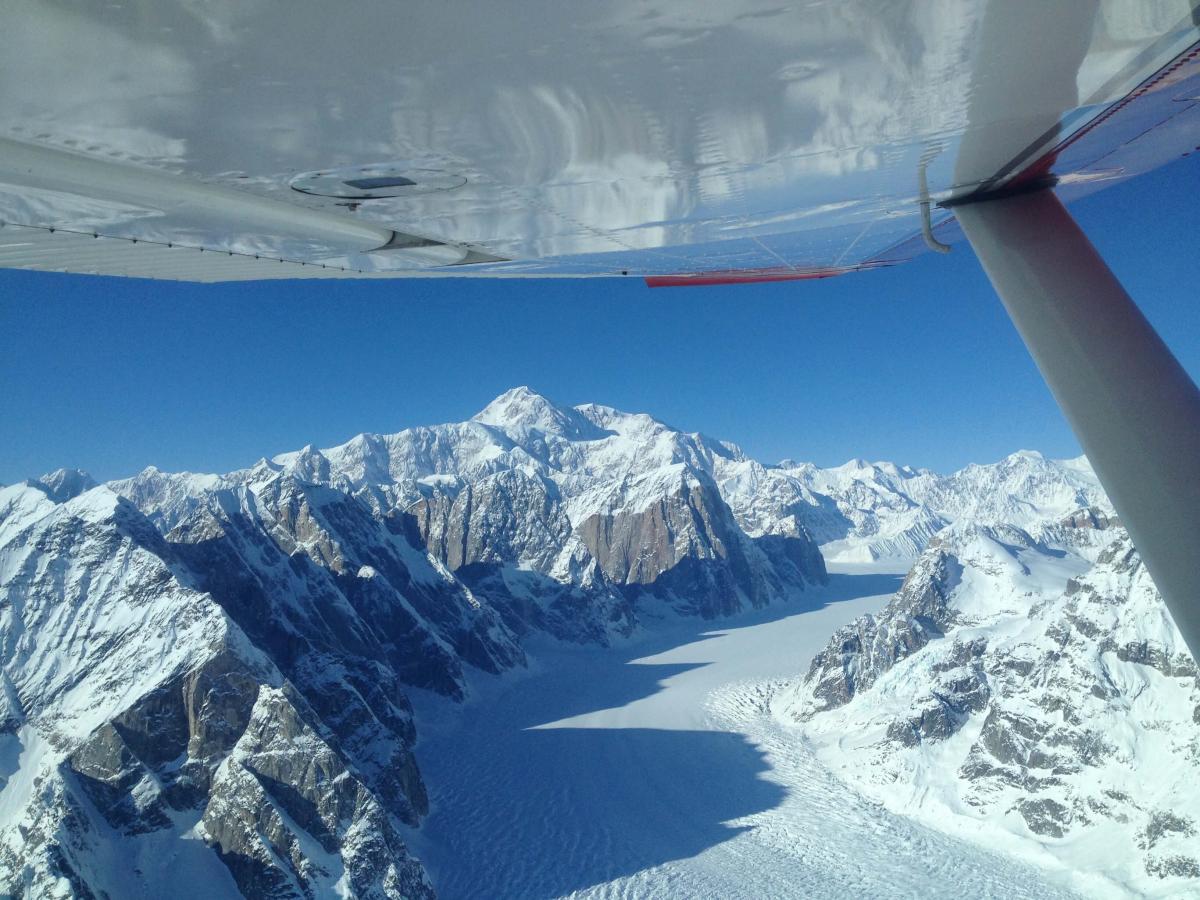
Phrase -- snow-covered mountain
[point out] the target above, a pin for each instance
(868, 512)
(215, 703)
(205, 675)
(566, 519)
(1026, 697)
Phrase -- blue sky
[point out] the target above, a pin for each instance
(916, 364)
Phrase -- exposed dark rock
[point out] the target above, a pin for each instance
(282, 775)
(1161, 823)
(1174, 866)
(1044, 816)
(859, 653)
(685, 547)
(1091, 517)
(507, 517)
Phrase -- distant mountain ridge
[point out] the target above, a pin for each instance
(888, 512)
(858, 512)
(527, 496)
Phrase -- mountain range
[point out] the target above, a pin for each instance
(206, 676)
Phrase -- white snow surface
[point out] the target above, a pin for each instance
(110, 622)
(891, 512)
(1097, 697)
(654, 769)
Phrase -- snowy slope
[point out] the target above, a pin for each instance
(152, 735)
(1027, 698)
(566, 518)
(895, 510)
(207, 675)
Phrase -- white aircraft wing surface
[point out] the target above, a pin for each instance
(682, 142)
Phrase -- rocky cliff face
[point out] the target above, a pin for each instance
(858, 654)
(561, 518)
(149, 737)
(204, 676)
(1000, 694)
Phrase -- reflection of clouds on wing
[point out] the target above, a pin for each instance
(869, 93)
(629, 192)
(547, 130)
(833, 213)
(222, 19)
(596, 166)
(56, 208)
(57, 68)
(588, 129)
(747, 138)
(1121, 22)
(837, 117)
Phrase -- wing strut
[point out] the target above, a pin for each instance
(1131, 404)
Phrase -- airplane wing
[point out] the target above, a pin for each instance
(686, 144)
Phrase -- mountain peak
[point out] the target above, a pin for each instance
(523, 409)
(1025, 454)
(65, 484)
(515, 401)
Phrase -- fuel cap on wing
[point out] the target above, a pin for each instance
(375, 182)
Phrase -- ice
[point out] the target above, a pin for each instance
(655, 770)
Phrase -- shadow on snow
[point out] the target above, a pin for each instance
(523, 811)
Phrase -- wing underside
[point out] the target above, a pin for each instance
(751, 143)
